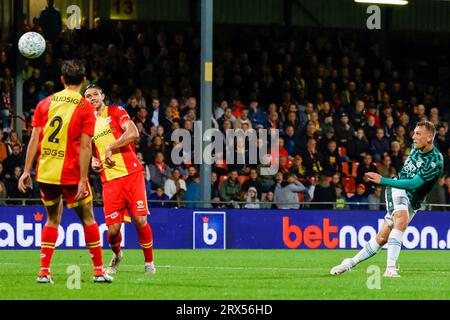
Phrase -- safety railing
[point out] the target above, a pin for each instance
(235, 204)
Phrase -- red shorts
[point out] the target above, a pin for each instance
(124, 196)
(51, 194)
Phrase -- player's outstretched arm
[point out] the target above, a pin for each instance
(24, 181)
(405, 184)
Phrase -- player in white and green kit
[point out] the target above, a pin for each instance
(405, 195)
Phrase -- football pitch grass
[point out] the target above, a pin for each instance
(229, 275)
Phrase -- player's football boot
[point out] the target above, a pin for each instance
(103, 278)
(345, 265)
(114, 264)
(150, 268)
(44, 279)
(391, 272)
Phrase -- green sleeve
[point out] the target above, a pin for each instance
(405, 184)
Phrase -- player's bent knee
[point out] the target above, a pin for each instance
(401, 219)
(381, 240)
(114, 229)
(52, 223)
(140, 222)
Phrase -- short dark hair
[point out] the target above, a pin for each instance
(428, 125)
(73, 72)
(93, 86)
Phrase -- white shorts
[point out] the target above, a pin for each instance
(396, 200)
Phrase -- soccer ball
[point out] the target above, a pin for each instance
(31, 45)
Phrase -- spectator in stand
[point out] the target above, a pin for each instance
(359, 198)
(192, 173)
(289, 140)
(3, 193)
(324, 192)
(329, 135)
(3, 175)
(389, 128)
(370, 129)
(156, 114)
(266, 180)
(358, 147)
(6, 107)
(15, 159)
(286, 193)
(215, 193)
(159, 199)
(441, 141)
(403, 139)
(242, 118)
(385, 168)
(175, 187)
(192, 195)
(298, 168)
(344, 130)
(230, 190)
(159, 171)
(364, 167)
(358, 117)
(132, 107)
(12, 186)
(142, 116)
(50, 21)
(252, 182)
(13, 140)
(312, 158)
(219, 110)
(447, 192)
(167, 121)
(302, 138)
(374, 198)
(438, 195)
(396, 156)
(252, 201)
(268, 201)
(340, 198)
(331, 159)
(379, 145)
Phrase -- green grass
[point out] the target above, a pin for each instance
(230, 274)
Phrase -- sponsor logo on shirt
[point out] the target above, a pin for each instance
(140, 205)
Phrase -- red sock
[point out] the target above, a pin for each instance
(92, 237)
(145, 237)
(49, 237)
(114, 243)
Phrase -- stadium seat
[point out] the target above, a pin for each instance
(243, 179)
(354, 172)
(349, 184)
(301, 197)
(221, 164)
(222, 179)
(342, 151)
(345, 169)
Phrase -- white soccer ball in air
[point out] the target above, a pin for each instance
(31, 45)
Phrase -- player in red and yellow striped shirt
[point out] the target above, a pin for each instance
(63, 125)
(122, 177)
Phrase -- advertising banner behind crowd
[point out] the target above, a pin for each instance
(21, 228)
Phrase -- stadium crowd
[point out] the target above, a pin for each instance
(341, 107)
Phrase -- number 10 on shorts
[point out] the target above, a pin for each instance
(209, 230)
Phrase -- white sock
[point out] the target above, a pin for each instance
(370, 249)
(394, 247)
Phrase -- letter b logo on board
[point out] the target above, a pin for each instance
(209, 230)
